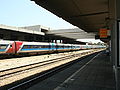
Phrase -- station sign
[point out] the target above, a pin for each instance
(103, 33)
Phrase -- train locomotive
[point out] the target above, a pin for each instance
(22, 47)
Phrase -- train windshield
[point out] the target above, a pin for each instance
(3, 47)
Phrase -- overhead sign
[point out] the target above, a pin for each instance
(103, 33)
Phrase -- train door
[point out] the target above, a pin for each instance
(53, 46)
(17, 45)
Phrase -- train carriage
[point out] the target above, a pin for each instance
(22, 47)
(60, 47)
(76, 47)
(29, 47)
(67, 47)
(53, 47)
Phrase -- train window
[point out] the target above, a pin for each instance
(45, 46)
(35, 46)
(60, 46)
(53, 46)
(66, 47)
(3, 46)
(25, 46)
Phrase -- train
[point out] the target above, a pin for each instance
(23, 47)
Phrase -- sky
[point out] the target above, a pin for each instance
(25, 13)
(22, 13)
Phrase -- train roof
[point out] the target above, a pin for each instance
(35, 43)
(5, 42)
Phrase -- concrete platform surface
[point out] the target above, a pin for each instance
(97, 74)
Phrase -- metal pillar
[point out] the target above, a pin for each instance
(115, 42)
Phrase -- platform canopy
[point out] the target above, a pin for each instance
(89, 15)
(75, 33)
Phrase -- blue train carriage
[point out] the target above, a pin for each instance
(77, 47)
(89, 46)
(60, 47)
(67, 47)
(53, 47)
(34, 47)
(95, 46)
(72, 46)
(83, 47)
(101, 46)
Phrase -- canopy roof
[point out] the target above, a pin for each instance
(89, 15)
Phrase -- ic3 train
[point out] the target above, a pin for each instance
(21, 47)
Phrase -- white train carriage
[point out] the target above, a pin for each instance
(21, 47)
(28, 47)
(59, 47)
(76, 47)
(67, 47)
(53, 47)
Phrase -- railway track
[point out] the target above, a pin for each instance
(10, 74)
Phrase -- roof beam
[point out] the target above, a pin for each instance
(89, 14)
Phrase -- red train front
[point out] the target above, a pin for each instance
(9, 47)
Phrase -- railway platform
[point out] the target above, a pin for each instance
(96, 74)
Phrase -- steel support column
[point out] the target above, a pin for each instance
(115, 42)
